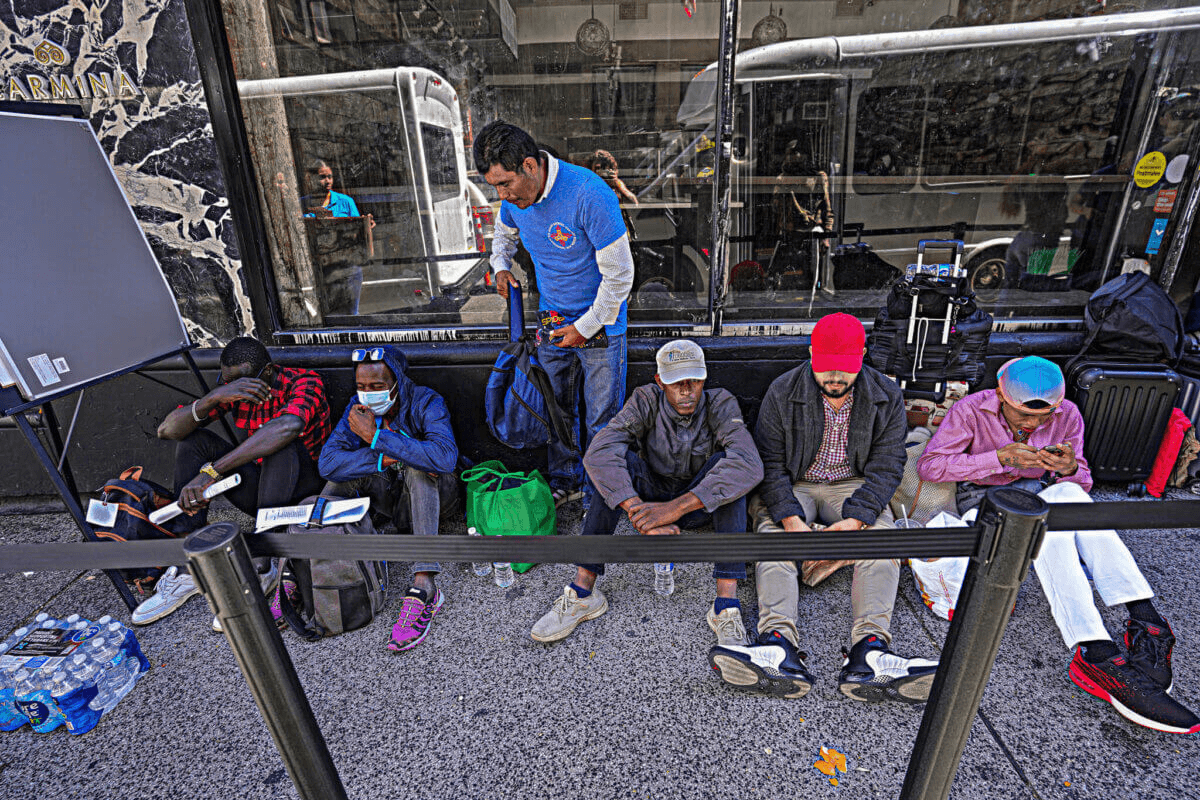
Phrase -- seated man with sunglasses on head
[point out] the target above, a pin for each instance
(392, 445)
(286, 416)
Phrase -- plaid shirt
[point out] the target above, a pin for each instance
(295, 391)
(831, 463)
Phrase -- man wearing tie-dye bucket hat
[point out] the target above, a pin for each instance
(1025, 434)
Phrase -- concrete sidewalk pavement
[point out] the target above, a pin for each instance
(625, 707)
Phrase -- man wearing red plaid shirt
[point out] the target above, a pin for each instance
(286, 417)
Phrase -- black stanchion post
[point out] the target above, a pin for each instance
(1013, 523)
(221, 566)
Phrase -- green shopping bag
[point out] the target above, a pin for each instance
(503, 503)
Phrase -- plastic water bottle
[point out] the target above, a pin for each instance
(11, 717)
(72, 698)
(503, 574)
(664, 579)
(120, 671)
(34, 701)
(481, 567)
(12, 640)
(109, 657)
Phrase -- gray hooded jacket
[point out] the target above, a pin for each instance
(677, 447)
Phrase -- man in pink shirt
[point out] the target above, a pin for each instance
(1025, 434)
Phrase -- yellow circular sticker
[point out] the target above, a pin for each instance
(1149, 169)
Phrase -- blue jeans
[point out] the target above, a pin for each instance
(729, 518)
(600, 373)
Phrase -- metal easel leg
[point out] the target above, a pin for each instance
(70, 497)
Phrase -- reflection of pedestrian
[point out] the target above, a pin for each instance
(343, 285)
(1031, 252)
(570, 222)
(802, 206)
(603, 164)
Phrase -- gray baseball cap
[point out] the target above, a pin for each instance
(680, 360)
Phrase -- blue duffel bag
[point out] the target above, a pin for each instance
(519, 401)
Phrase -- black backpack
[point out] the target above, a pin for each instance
(136, 498)
(925, 359)
(332, 596)
(1131, 318)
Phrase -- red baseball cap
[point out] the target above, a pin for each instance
(837, 344)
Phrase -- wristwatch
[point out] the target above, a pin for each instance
(210, 471)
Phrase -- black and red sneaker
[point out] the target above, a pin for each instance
(1134, 695)
(1149, 647)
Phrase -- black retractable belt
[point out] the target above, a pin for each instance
(700, 548)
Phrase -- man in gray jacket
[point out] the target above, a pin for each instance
(673, 456)
(831, 433)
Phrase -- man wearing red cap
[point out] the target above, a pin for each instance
(831, 435)
(1026, 435)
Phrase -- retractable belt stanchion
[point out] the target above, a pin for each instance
(1013, 523)
(221, 566)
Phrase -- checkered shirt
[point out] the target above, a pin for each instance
(295, 391)
(831, 463)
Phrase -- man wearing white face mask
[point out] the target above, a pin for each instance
(391, 445)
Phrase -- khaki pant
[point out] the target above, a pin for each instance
(873, 592)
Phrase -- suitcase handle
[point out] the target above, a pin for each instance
(949, 244)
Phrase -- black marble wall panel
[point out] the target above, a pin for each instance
(154, 126)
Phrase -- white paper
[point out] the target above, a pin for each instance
(101, 514)
(337, 512)
(60, 366)
(44, 369)
(274, 517)
(171, 511)
(6, 377)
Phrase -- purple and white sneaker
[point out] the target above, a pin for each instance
(416, 614)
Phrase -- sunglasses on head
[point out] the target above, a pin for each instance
(367, 354)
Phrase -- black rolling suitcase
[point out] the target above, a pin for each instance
(1125, 411)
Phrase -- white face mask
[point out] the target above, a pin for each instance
(379, 402)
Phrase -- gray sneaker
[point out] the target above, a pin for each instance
(727, 626)
(568, 611)
(170, 593)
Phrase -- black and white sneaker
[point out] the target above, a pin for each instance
(771, 665)
(872, 673)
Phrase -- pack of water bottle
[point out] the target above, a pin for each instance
(66, 672)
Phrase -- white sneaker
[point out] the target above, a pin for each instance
(171, 592)
(727, 626)
(567, 612)
(268, 580)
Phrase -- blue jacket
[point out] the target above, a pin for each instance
(420, 435)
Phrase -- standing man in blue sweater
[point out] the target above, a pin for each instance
(393, 444)
(570, 222)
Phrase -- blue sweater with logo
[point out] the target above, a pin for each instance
(562, 232)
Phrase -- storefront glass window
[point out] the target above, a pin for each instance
(844, 154)
(361, 117)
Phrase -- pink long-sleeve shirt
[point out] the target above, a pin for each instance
(965, 444)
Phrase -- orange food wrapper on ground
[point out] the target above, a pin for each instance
(833, 781)
(837, 759)
(824, 766)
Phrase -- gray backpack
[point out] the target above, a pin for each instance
(332, 597)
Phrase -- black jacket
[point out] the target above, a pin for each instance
(791, 424)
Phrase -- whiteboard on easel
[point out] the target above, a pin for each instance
(82, 296)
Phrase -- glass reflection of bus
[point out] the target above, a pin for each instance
(394, 139)
(1020, 149)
